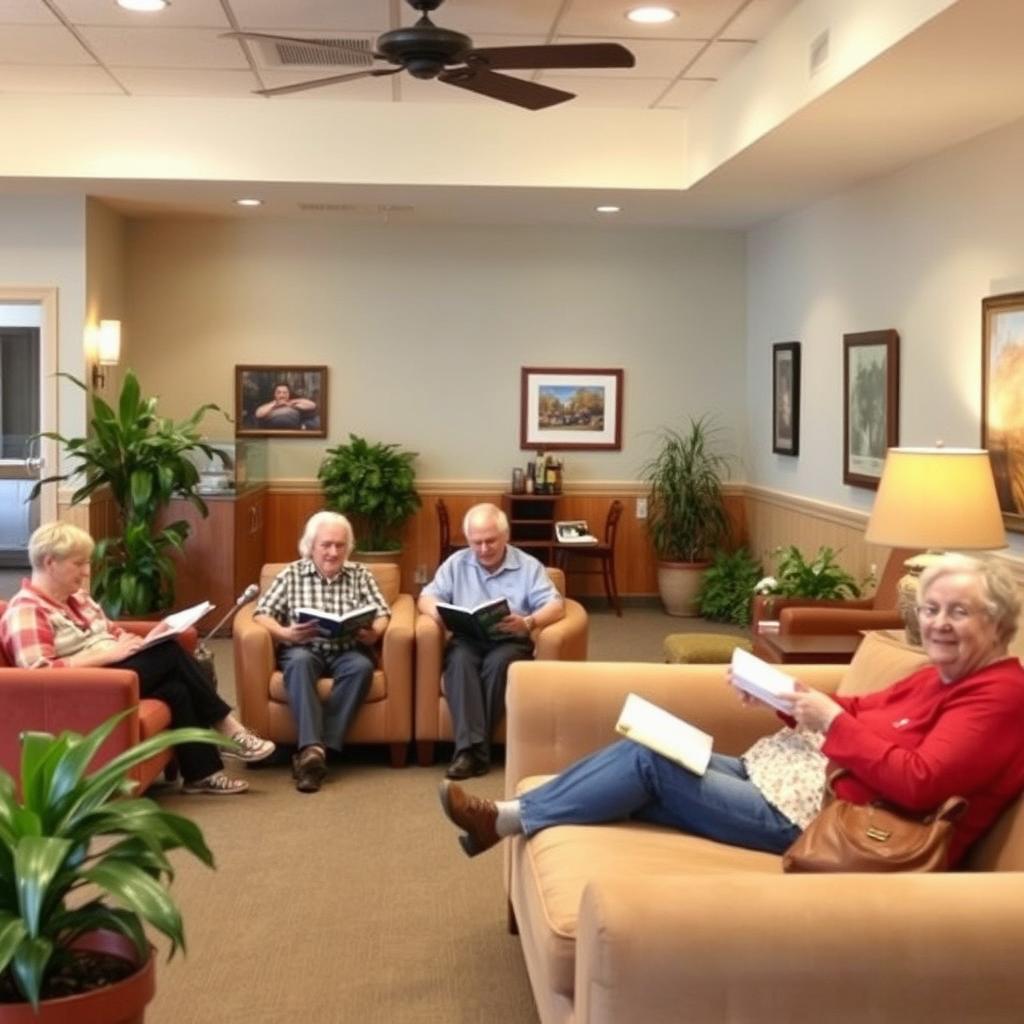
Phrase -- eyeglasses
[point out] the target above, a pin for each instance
(954, 612)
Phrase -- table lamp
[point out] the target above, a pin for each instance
(940, 499)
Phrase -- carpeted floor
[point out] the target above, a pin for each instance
(354, 904)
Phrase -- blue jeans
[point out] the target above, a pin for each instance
(327, 723)
(627, 780)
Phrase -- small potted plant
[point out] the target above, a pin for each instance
(726, 592)
(686, 515)
(374, 485)
(820, 578)
(85, 958)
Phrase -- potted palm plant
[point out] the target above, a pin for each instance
(83, 866)
(144, 460)
(686, 515)
(374, 485)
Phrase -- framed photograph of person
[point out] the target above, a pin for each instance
(1002, 400)
(280, 401)
(564, 409)
(786, 398)
(871, 404)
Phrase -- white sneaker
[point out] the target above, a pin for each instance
(251, 748)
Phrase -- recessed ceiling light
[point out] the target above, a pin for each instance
(608, 209)
(652, 15)
(248, 202)
(143, 5)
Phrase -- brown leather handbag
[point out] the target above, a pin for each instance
(873, 837)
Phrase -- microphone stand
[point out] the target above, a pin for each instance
(203, 654)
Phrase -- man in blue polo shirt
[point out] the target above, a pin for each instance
(475, 672)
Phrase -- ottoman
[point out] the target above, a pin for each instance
(702, 648)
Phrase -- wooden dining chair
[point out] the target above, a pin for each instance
(603, 551)
(444, 531)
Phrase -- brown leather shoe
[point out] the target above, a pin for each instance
(309, 767)
(474, 816)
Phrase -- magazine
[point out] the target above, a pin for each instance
(574, 531)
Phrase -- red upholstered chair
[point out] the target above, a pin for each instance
(603, 552)
(79, 699)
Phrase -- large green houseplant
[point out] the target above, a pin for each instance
(374, 485)
(79, 856)
(686, 514)
(144, 459)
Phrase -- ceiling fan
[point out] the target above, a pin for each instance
(428, 51)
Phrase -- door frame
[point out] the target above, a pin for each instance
(46, 299)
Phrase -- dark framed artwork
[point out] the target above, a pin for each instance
(280, 401)
(1002, 400)
(564, 409)
(871, 404)
(786, 398)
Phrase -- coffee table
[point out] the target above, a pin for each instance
(827, 648)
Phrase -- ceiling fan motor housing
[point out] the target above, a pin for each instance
(424, 50)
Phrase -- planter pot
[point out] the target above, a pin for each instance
(377, 556)
(121, 1003)
(678, 584)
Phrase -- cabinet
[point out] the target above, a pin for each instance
(531, 520)
(224, 552)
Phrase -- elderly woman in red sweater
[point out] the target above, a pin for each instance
(951, 728)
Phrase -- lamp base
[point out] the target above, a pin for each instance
(907, 590)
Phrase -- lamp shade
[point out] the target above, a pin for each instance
(942, 498)
(108, 343)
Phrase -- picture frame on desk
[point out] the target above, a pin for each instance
(567, 409)
(871, 404)
(280, 401)
(786, 398)
(1002, 408)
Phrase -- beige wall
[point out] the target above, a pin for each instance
(424, 330)
(105, 283)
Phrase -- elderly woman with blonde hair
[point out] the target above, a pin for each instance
(52, 622)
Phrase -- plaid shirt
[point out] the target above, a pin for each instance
(300, 585)
(37, 632)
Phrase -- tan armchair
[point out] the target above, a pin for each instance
(385, 717)
(819, 617)
(565, 640)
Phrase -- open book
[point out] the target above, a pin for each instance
(660, 730)
(574, 531)
(176, 623)
(761, 680)
(339, 627)
(475, 623)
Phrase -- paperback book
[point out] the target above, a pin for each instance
(339, 627)
(175, 624)
(672, 737)
(477, 623)
(761, 680)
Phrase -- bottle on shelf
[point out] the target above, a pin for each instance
(531, 479)
(539, 470)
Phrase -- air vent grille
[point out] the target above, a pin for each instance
(335, 53)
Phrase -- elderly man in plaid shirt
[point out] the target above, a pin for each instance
(322, 579)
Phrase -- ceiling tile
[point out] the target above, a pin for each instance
(84, 81)
(654, 59)
(759, 18)
(609, 92)
(175, 82)
(40, 44)
(683, 93)
(180, 14)
(164, 48)
(698, 19)
(719, 58)
(313, 15)
(25, 12)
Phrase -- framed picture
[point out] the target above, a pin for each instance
(786, 398)
(280, 401)
(1002, 400)
(565, 409)
(871, 404)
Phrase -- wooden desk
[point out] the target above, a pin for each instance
(827, 649)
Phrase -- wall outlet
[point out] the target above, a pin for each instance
(420, 575)
(641, 508)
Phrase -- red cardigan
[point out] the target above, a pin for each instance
(921, 741)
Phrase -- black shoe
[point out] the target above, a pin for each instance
(465, 765)
(309, 769)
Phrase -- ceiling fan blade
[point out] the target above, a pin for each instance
(337, 44)
(282, 90)
(530, 95)
(569, 55)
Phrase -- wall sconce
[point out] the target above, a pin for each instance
(108, 350)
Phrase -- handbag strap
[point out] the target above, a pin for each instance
(950, 810)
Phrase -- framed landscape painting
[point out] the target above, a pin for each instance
(564, 409)
(871, 400)
(786, 398)
(1002, 400)
(280, 401)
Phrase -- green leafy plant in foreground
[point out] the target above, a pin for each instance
(48, 851)
(726, 590)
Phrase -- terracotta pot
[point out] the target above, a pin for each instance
(678, 584)
(121, 1003)
(377, 556)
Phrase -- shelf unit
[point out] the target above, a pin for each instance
(531, 520)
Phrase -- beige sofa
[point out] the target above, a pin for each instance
(634, 923)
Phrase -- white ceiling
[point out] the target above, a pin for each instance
(95, 47)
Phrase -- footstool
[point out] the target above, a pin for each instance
(702, 648)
